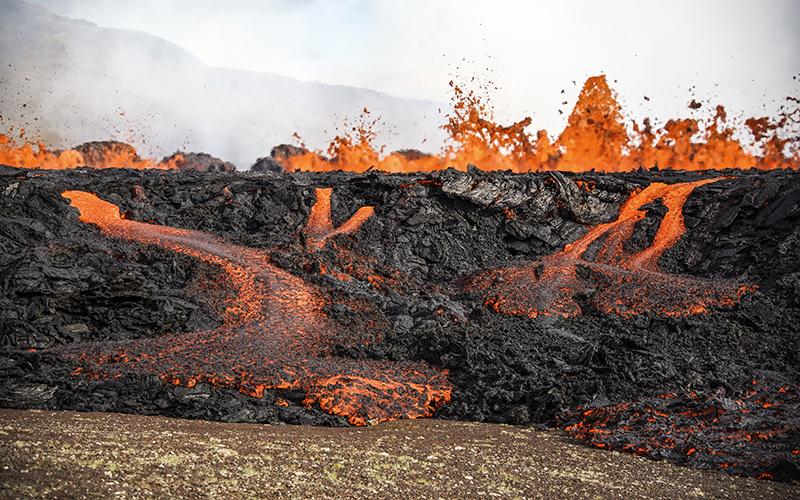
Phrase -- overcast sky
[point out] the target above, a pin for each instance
(741, 53)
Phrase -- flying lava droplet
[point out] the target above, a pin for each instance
(275, 333)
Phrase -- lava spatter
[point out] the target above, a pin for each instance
(275, 333)
(104, 154)
(612, 280)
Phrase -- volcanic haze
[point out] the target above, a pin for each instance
(69, 81)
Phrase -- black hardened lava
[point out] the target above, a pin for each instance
(453, 271)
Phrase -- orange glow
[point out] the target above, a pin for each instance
(275, 333)
(319, 227)
(596, 138)
(626, 284)
(725, 438)
(36, 155)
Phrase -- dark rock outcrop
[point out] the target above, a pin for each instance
(266, 164)
(96, 154)
(203, 162)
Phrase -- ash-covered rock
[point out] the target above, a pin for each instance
(198, 161)
(97, 154)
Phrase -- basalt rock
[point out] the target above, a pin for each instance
(64, 283)
(266, 164)
(285, 151)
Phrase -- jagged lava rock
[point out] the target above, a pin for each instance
(64, 283)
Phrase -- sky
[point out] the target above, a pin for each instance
(743, 54)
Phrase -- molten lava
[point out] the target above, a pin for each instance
(612, 278)
(36, 156)
(596, 138)
(275, 333)
(736, 433)
(98, 155)
(320, 227)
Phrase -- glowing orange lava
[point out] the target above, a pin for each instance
(275, 333)
(320, 227)
(613, 280)
(596, 138)
(698, 428)
(36, 155)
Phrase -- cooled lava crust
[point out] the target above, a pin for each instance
(650, 311)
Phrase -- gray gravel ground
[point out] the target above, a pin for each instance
(100, 455)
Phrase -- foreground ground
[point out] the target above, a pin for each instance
(82, 455)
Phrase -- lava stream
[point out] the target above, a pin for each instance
(275, 333)
(320, 227)
(613, 280)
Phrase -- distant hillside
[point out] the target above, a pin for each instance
(71, 81)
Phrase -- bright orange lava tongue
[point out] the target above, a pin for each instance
(618, 282)
(275, 334)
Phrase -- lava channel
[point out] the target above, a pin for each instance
(275, 334)
(612, 279)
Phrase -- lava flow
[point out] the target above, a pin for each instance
(275, 333)
(320, 227)
(602, 269)
(736, 433)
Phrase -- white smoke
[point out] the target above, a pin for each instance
(70, 81)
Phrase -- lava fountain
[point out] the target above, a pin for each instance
(597, 137)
